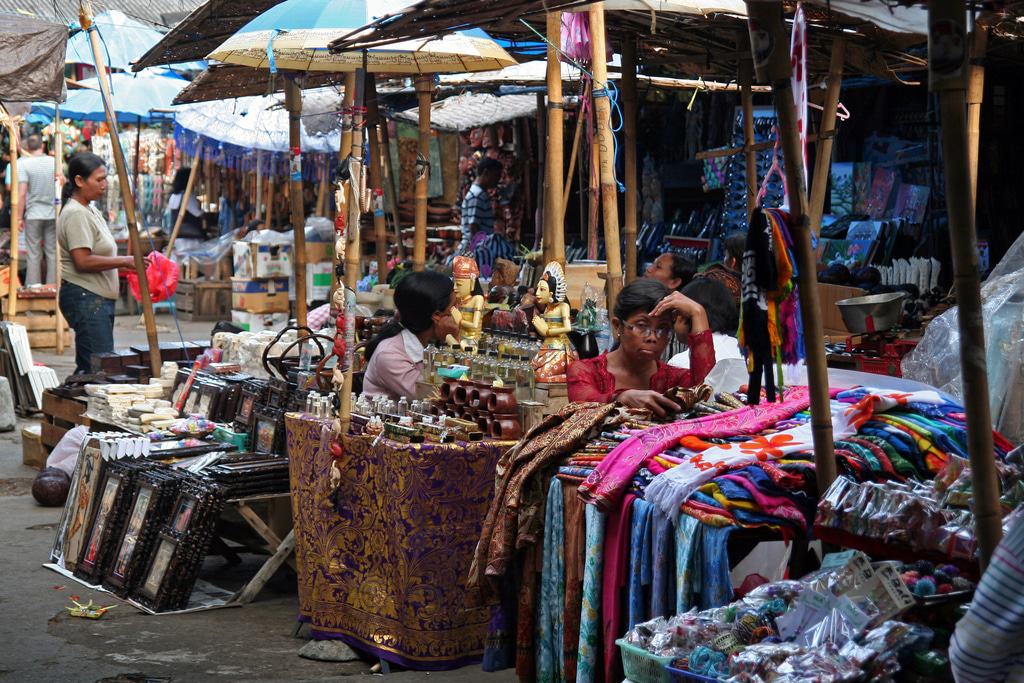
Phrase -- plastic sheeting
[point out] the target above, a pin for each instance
(936, 360)
(32, 67)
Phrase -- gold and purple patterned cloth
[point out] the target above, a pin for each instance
(383, 561)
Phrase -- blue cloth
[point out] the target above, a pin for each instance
(663, 578)
(639, 556)
(552, 589)
(688, 539)
(91, 316)
(588, 661)
(716, 582)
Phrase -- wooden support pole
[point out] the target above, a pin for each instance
(606, 149)
(293, 102)
(629, 107)
(259, 185)
(353, 258)
(975, 95)
(823, 153)
(58, 176)
(269, 214)
(85, 16)
(950, 86)
(380, 223)
(390, 192)
(424, 93)
(746, 76)
(183, 209)
(766, 18)
(12, 290)
(346, 103)
(554, 162)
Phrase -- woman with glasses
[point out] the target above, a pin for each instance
(424, 302)
(633, 374)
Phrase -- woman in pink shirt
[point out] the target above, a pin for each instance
(424, 302)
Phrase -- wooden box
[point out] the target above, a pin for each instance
(831, 318)
(203, 300)
(33, 453)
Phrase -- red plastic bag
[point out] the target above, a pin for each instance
(162, 276)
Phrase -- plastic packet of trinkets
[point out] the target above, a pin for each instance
(759, 661)
(843, 623)
(788, 591)
(822, 665)
(829, 512)
(641, 634)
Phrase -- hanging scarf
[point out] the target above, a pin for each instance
(606, 484)
(670, 490)
(552, 590)
(589, 657)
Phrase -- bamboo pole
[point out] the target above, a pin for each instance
(269, 213)
(765, 18)
(58, 174)
(183, 209)
(975, 95)
(629, 106)
(745, 77)
(380, 223)
(540, 166)
(85, 15)
(353, 259)
(593, 199)
(135, 170)
(390, 199)
(424, 92)
(554, 162)
(947, 78)
(823, 153)
(259, 185)
(12, 290)
(606, 149)
(573, 155)
(293, 102)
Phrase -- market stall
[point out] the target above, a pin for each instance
(381, 557)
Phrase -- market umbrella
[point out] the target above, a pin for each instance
(140, 98)
(294, 36)
(124, 40)
(261, 123)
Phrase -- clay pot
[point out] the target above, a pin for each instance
(506, 428)
(502, 401)
(460, 392)
(483, 392)
(484, 423)
(447, 388)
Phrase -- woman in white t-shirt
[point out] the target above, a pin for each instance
(88, 260)
(723, 319)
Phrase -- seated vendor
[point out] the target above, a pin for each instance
(728, 271)
(723, 319)
(632, 373)
(424, 302)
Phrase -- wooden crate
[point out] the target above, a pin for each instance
(59, 415)
(34, 304)
(202, 300)
(38, 322)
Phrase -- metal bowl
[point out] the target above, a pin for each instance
(875, 313)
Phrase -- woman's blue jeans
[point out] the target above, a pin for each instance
(91, 316)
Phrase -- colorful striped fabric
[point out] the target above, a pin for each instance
(988, 646)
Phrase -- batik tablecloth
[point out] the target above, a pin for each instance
(383, 563)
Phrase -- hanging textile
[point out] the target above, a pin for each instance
(589, 657)
(552, 590)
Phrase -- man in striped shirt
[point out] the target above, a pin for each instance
(988, 646)
(477, 208)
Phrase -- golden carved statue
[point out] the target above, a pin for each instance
(469, 307)
(556, 354)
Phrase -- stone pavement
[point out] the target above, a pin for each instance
(40, 642)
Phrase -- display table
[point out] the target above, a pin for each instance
(382, 563)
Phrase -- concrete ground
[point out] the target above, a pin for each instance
(41, 642)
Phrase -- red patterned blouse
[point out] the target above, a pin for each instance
(589, 380)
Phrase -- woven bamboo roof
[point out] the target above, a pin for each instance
(224, 81)
(677, 43)
(198, 34)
